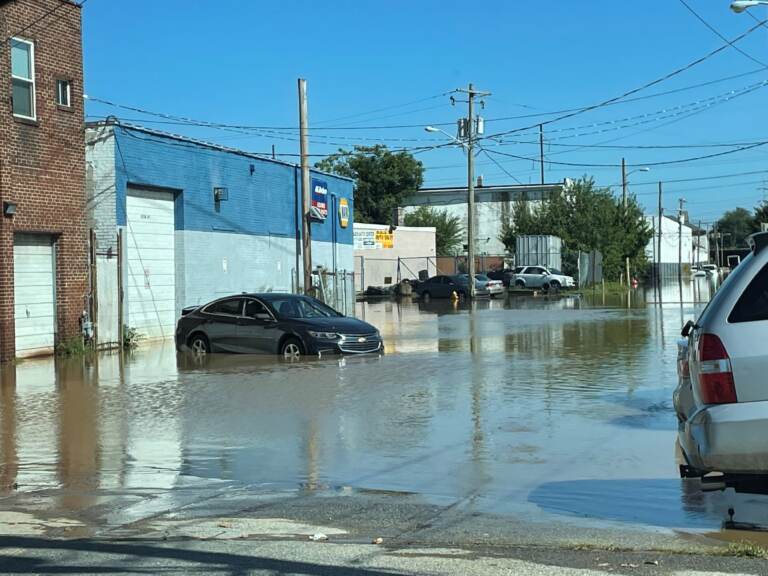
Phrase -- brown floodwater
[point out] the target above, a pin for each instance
(533, 407)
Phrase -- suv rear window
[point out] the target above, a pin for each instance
(752, 305)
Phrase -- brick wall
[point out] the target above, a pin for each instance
(42, 164)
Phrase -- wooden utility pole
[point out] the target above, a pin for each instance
(624, 203)
(470, 147)
(541, 151)
(306, 233)
(681, 202)
(661, 226)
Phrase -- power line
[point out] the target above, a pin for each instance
(385, 108)
(492, 159)
(719, 35)
(638, 89)
(662, 163)
(45, 15)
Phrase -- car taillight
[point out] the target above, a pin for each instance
(715, 375)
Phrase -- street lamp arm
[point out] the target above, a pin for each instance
(451, 136)
(739, 6)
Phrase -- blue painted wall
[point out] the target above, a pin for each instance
(262, 193)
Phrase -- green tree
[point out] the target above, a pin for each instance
(737, 225)
(586, 218)
(761, 215)
(384, 179)
(449, 231)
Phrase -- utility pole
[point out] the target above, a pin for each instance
(306, 239)
(541, 151)
(624, 203)
(680, 242)
(661, 226)
(470, 147)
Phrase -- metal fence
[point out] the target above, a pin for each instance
(337, 289)
(382, 272)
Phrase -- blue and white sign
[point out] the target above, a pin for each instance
(319, 207)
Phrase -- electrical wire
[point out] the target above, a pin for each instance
(719, 35)
(45, 15)
(662, 163)
(640, 88)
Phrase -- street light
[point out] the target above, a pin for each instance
(451, 136)
(624, 175)
(739, 6)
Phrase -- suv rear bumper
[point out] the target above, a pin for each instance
(728, 438)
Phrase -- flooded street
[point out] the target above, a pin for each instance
(542, 410)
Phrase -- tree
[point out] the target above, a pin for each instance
(384, 179)
(761, 215)
(448, 229)
(586, 218)
(737, 225)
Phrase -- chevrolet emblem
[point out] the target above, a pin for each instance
(361, 339)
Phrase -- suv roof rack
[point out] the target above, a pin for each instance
(758, 241)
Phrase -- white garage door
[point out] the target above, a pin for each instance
(34, 294)
(151, 282)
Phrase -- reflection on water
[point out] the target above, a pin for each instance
(532, 406)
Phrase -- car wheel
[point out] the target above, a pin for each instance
(519, 284)
(200, 345)
(554, 286)
(426, 296)
(291, 349)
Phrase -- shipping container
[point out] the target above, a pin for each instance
(539, 250)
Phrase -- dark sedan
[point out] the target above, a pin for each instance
(446, 286)
(284, 324)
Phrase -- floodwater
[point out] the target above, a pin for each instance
(531, 407)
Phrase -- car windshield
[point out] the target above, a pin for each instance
(293, 307)
(555, 271)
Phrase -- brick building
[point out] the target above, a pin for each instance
(43, 254)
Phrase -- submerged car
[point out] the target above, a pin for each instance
(446, 286)
(541, 277)
(494, 287)
(286, 324)
(721, 399)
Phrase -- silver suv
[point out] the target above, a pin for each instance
(722, 396)
(541, 277)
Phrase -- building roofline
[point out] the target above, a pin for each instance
(112, 121)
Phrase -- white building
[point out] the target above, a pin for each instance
(384, 254)
(494, 205)
(686, 245)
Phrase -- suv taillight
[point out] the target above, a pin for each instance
(715, 375)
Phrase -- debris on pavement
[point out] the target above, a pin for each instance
(318, 537)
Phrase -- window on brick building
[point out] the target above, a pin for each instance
(23, 78)
(64, 93)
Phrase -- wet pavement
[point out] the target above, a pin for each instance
(547, 412)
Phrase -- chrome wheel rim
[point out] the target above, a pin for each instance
(291, 351)
(199, 347)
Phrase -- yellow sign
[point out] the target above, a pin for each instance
(385, 239)
(343, 212)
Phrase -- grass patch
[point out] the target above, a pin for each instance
(73, 346)
(745, 550)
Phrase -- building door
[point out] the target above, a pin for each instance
(151, 278)
(34, 290)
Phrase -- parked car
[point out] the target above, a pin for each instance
(722, 399)
(445, 286)
(503, 274)
(286, 324)
(494, 287)
(541, 277)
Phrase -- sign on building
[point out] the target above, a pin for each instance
(343, 212)
(373, 239)
(319, 208)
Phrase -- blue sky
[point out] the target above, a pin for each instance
(237, 61)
